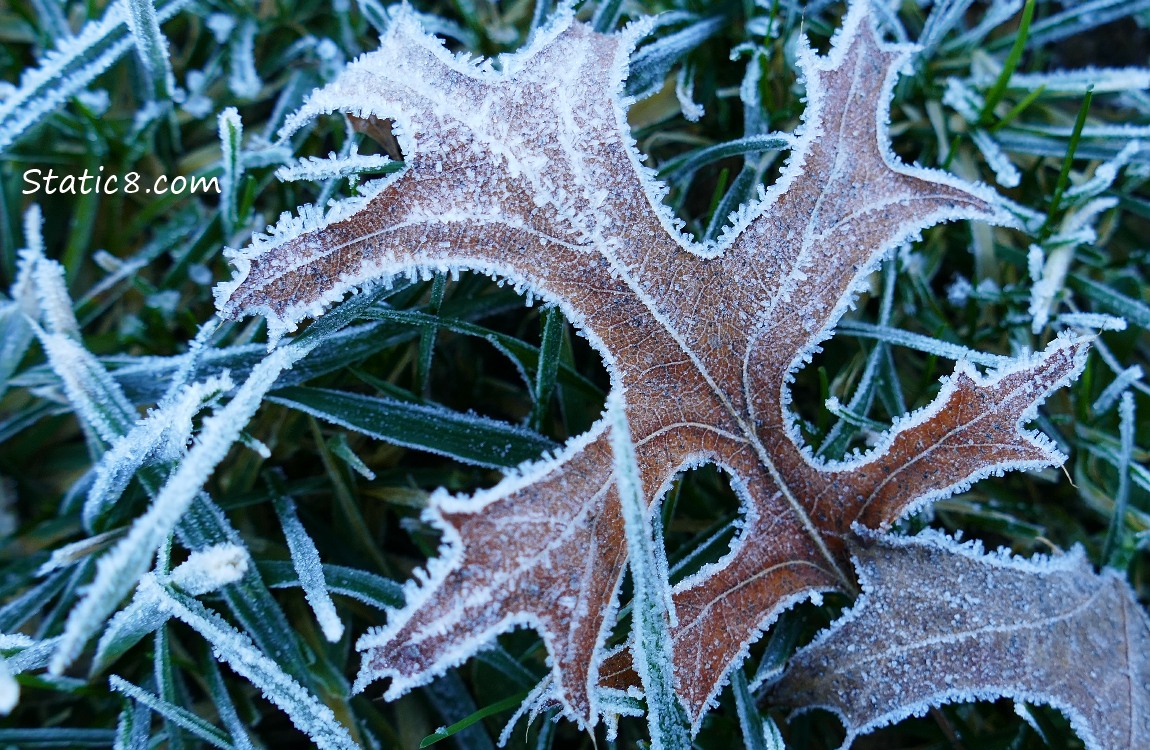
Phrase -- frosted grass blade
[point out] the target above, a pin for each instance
(224, 705)
(309, 715)
(750, 720)
(305, 559)
(652, 611)
(118, 570)
(368, 588)
(231, 136)
(173, 713)
(70, 67)
(151, 46)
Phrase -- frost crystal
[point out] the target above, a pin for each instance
(210, 568)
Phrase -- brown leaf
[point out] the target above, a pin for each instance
(980, 627)
(530, 173)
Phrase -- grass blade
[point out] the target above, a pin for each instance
(70, 67)
(306, 712)
(173, 713)
(305, 558)
(465, 437)
(373, 590)
(653, 610)
(998, 90)
(495, 708)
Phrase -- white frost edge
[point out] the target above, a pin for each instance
(316, 168)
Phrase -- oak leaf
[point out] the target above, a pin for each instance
(980, 626)
(529, 173)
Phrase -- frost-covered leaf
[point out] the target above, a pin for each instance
(980, 627)
(529, 173)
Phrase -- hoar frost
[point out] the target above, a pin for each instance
(528, 174)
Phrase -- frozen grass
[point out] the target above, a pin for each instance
(360, 430)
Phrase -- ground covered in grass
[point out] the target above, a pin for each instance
(333, 459)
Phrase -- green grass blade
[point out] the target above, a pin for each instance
(750, 720)
(127, 627)
(231, 130)
(309, 715)
(165, 676)
(548, 370)
(151, 47)
(1117, 548)
(465, 437)
(1134, 311)
(66, 71)
(226, 709)
(652, 610)
(56, 737)
(679, 169)
(1018, 109)
(249, 599)
(495, 708)
(606, 15)
(305, 558)
(428, 334)
(998, 90)
(15, 338)
(1067, 162)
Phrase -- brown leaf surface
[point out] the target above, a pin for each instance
(529, 173)
(980, 627)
